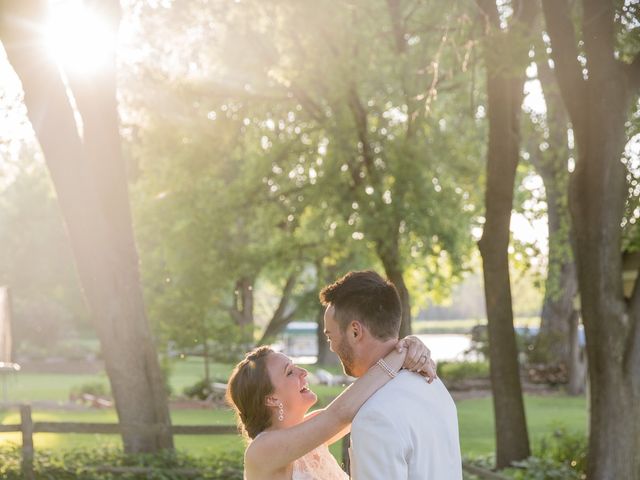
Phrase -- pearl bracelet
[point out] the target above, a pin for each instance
(386, 368)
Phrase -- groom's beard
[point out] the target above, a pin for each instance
(345, 353)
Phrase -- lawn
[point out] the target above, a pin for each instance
(196, 444)
(545, 414)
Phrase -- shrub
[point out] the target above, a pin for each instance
(562, 456)
(203, 390)
(565, 447)
(534, 468)
(450, 372)
(85, 464)
(98, 389)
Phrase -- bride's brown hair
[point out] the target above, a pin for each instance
(248, 387)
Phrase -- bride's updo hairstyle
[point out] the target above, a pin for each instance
(248, 387)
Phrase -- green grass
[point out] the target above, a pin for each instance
(545, 414)
(31, 387)
(195, 444)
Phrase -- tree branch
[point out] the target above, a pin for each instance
(362, 126)
(397, 23)
(565, 58)
(490, 11)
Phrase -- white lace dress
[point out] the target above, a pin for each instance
(318, 464)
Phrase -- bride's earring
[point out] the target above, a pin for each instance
(280, 412)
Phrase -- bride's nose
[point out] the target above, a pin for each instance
(303, 372)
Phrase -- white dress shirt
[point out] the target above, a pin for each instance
(407, 430)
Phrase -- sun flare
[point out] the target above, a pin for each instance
(78, 38)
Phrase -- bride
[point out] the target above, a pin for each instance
(271, 397)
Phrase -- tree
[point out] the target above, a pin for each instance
(46, 298)
(366, 99)
(598, 71)
(549, 153)
(210, 229)
(506, 57)
(89, 178)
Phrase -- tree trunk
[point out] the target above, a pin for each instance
(504, 96)
(389, 254)
(396, 277)
(6, 337)
(206, 358)
(242, 310)
(325, 355)
(597, 206)
(90, 183)
(598, 108)
(281, 318)
(561, 285)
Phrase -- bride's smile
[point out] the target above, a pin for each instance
(290, 388)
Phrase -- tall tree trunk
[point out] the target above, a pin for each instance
(6, 338)
(90, 182)
(389, 254)
(242, 309)
(505, 82)
(323, 345)
(281, 317)
(598, 107)
(206, 357)
(324, 276)
(561, 285)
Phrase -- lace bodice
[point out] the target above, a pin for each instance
(318, 464)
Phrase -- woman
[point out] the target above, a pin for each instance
(271, 397)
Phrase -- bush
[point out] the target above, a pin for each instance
(534, 468)
(203, 390)
(450, 372)
(567, 448)
(98, 389)
(71, 465)
(562, 456)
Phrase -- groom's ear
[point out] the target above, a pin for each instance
(355, 330)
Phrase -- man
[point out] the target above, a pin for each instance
(409, 428)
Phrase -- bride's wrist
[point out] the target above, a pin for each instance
(391, 364)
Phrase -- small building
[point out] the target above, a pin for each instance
(300, 339)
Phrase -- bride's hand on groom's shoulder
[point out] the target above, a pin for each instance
(418, 357)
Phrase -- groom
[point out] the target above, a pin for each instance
(409, 428)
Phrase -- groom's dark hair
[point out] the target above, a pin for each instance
(367, 297)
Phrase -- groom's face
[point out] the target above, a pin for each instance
(338, 342)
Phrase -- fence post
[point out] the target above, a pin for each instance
(27, 442)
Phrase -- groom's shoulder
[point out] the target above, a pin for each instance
(405, 393)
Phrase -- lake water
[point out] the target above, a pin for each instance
(443, 347)
(446, 346)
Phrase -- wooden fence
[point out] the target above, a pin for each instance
(27, 427)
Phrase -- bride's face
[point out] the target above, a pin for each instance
(290, 386)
